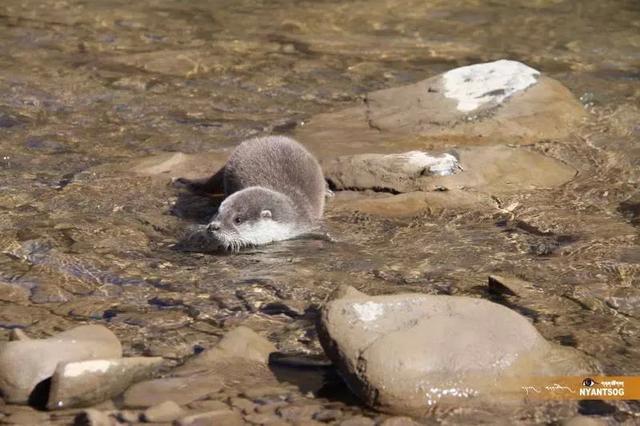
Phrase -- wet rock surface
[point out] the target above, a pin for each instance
(406, 353)
(491, 170)
(497, 102)
(84, 383)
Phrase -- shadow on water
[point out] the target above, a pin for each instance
(314, 375)
(195, 207)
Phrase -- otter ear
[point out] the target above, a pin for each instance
(265, 214)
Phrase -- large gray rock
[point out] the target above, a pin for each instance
(25, 363)
(407, 353)
(502, 102)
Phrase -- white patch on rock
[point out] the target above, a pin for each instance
(444, 165)
(368, 311)
(74, 369)
(475, 85)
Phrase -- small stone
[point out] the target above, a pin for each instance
(212, 418)
(18, 335)
(31, 417)
(585, 421)
(127, 416)
(244, 405)
(167, 411)
(241, 342)
(399, 421)
(208, 405)
(14, 292)
(298, 413)
(357, 421)
(327, 416)
(265, 419)
(270, 407)
(92, 417)
(265, 391)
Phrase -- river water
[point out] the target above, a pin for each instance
(89, 86)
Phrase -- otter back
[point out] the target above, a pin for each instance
(280, 164)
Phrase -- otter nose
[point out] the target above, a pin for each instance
(213, 226)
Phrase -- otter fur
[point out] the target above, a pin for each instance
(274, 190)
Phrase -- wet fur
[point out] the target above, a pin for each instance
(271, 173)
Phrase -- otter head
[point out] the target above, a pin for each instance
(254, 216)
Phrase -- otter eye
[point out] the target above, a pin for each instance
(238, 220)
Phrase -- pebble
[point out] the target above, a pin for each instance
(212, 418)
(244, 405)
(167, 411)
(399, 421)
(298, 413)
(208, 405)
(584, 421)
(31, 417)
(270, 407)
(265, 419)
(327, 416)
(357, 421)
(265, 391)
(92, 417)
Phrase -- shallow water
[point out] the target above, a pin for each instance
(87, 86)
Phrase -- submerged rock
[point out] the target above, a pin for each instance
(492, 103)
(181, 390)
(239, 359)
(218, 417)
(167, 411)
(26, 363)
(407, 353)
(174, 164)
(241, 343)
(83, 383)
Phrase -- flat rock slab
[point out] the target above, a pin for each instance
(406, 353)
(212, 418)
(176, 164)
(181, 390)
(502, 102)
(491, 169)
(240, 358)
(84, 383)
(26, 363)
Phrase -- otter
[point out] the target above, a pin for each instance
(274, 190)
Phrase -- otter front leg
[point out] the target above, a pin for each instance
(212, 185)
